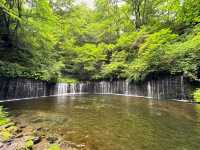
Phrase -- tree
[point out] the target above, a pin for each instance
(52, 39)
(10, 14)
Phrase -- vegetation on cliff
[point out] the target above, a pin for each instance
(53, 39)
(196, 96)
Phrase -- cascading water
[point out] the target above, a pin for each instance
(22, 88)
(149, 90)
(81, 88)
(126, 87)
(61, 89)
(182, 88)
(167, 88)
(164, 88)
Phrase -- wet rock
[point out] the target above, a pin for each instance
(52, 139)
(9, 142)
(80, 146)
(19, 136)
(37, 140)
(39, 132)
(39, 129)
(1, 145)
(69, 145)
(18, 131)
(46, 129)
(15, 122)
(75, 145)
(9, 125)
(22, 126)
(37, 120)
(62, 134)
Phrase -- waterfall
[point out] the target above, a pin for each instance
(149, 90)
(182, 88)
(72, 88)
(163, 88)
(61, 89)
(126, 87)
(81, 88)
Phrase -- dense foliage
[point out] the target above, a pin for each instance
(59, 39)
(196, 96)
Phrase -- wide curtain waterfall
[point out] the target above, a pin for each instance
(166, 88)
(163, 88)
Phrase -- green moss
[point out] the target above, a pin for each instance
(6, 126)
(12, 129)
(66, 80)
(3, 121)
(196, 96)
(3, 117)
(5, 135)
(54, 147)
(29, 144)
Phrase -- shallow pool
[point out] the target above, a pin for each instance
(108, 122)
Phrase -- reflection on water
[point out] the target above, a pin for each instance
(115, 122)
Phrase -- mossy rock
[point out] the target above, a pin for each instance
(12, 129)
(5, 135)
(3, 121)
(29, 144)
(54, 147)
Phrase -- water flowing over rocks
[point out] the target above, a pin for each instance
(173, 87)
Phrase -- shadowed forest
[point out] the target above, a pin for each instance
(62, 41)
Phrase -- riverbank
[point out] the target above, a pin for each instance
(17, 136)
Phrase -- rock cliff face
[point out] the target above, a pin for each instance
(175, 87)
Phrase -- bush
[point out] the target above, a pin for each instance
(196, 96)
(149, 57)
(14, 70)
(114, 70)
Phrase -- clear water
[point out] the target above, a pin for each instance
(108, 122)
